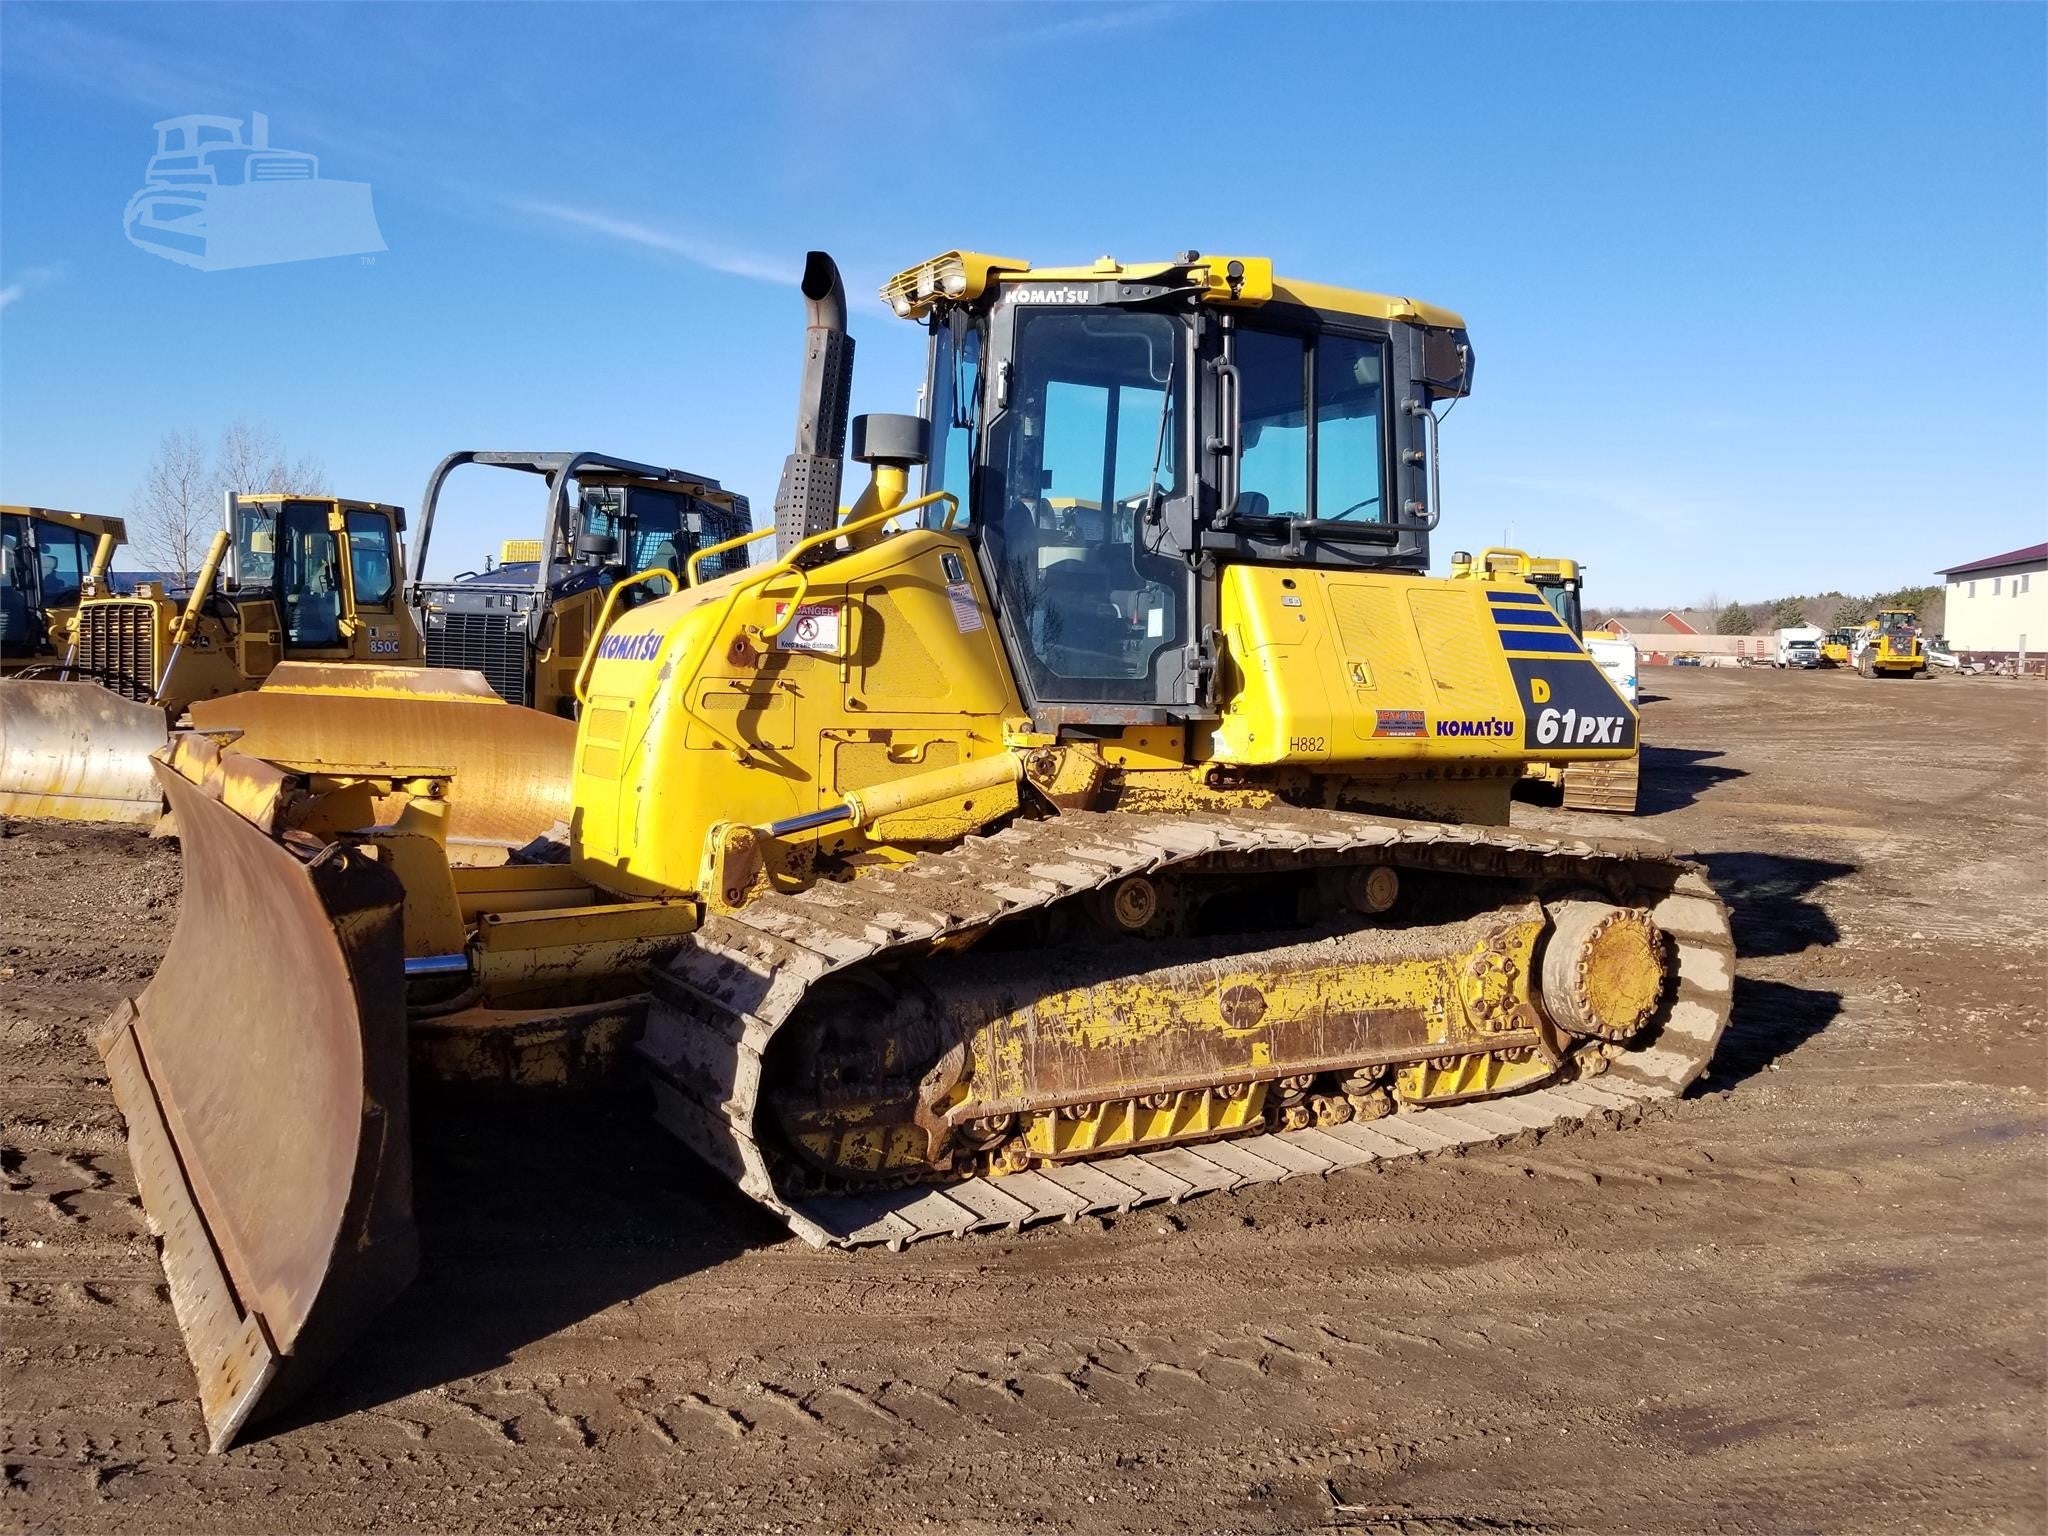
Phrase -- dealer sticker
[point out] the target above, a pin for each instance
(1399, 722)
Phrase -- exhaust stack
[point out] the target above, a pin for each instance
(807, 500)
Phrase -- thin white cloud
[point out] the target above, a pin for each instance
(1089, 22)
(1639, 501)
(691, 248)
(26, 279)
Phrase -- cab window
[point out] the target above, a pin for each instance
(953, 401)
(255, 544)
(16, 629)
(1088, 441)
(308, 564)
(371, 559)
(63, 555)
(1312, 408)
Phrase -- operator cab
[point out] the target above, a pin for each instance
(1117, 433)
(318, 559)
(43, 565)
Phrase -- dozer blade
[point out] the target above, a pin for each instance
(262, 1074)
(77, 752)
(1602, 786)
(508, 766)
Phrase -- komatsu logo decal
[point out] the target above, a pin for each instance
(1475, 727)
(629, 647)
(1049, 296)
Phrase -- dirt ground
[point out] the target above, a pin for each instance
(1809, 1297)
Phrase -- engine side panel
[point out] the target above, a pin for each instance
(1355, 668)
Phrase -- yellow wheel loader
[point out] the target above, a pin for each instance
(49, 562)
(1581, 785)
(300, 594)
(1122, 816)
(1890, 645)
(526, 622)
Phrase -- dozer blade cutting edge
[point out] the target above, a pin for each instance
(262, 1074)
(78, 752)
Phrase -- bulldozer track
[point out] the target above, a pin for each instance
(718, 1004)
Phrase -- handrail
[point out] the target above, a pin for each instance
(604, 621)
(690, 569)
(1523, 564)
(757, 577)
(831, 535)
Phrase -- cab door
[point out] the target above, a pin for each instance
(375, 623)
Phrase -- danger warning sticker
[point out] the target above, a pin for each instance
(816, 627)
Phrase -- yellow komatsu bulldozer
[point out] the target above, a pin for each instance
(293, 637)
(1890, 645)
(1835, 649)
(1119, 816)
(1581, 784)
(49, 562)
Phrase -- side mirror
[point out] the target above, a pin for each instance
(1447, 363)
(596, 546)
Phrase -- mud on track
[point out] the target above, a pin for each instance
(1809, 1297)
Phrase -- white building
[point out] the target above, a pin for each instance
(1998, 607)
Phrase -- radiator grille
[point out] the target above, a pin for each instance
(117, 646)
(491, 643)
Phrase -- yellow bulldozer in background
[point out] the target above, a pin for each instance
(1582, 785)
(1890, 645)
(1122, 816)
(299, 594)
(526, 623)
(49, 562)
(1835, 649)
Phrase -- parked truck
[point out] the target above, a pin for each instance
(1797, 646)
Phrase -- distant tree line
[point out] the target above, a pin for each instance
(1828, 610)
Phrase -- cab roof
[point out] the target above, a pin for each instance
(975, 273)
(85, 522)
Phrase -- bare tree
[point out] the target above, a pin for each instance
(251, 458)
(179, 505)
(175, 511)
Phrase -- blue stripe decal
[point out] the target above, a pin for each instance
(1516, 597)
(1539, 640)
(1542, 618)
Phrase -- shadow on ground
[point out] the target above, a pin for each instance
(1769, 1019)
(535, 1214)
(1674, 777)
(1768, 900)
(1773, 911)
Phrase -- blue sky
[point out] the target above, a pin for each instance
(1757, 292)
